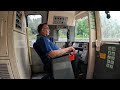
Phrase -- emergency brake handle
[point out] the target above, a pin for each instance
(68, 35)
(1, 33)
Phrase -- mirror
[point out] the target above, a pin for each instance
(108, 14)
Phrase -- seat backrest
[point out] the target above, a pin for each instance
(35, 47)
(46, 74)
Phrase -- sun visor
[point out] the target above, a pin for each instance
(81, 15)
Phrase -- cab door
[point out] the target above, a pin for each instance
(3, 33)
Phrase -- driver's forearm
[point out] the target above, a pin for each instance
(60, 52)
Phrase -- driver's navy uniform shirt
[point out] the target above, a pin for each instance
(44, 46)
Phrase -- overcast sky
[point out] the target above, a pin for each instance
(35, 16)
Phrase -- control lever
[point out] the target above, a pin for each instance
(72, 55)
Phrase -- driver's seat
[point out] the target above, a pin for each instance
(61, 66)
(46, 74)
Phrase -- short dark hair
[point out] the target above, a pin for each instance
(40, 27)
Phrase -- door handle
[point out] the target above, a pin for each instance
(98, 44)
(1, 26)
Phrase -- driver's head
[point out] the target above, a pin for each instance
(43, 29)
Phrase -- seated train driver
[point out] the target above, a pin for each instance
(48, 50)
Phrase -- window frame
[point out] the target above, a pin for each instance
(80, 16)
(28, 25)
(66, 35)
(99, 29)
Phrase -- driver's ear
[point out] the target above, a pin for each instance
(42, 30)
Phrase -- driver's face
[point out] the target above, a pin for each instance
(46, 30)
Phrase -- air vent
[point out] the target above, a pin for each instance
(18, 19)
(4, 74)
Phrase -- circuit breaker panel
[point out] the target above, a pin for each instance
(60, 20)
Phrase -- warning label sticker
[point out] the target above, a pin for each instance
(102, 55)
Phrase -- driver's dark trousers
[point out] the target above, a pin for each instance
(75, 65)
(48, 70)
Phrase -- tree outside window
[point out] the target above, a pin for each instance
(62, 35)
(82, 30)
